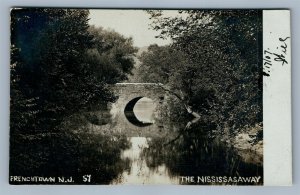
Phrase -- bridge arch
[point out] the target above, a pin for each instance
(130, 115)
(128, 95)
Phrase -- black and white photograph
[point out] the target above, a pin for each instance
(140, 96)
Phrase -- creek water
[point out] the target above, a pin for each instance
(170, 153)
(112, 150)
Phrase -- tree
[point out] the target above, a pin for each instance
(159, 64)
(51, 75)
(111, 56)
(221, 78)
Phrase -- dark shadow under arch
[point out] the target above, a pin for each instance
(128, 111)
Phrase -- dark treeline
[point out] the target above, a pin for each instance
(213, 65)
(61, 66)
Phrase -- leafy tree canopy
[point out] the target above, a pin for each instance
(220, 75)
(60, 65)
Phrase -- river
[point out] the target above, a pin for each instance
(110, 149)
(165, 154)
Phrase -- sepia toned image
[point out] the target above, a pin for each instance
(123, 96)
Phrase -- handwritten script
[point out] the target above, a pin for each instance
(275, 57)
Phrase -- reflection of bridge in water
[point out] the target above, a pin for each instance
(122, 110)
(140, 133)
(163, 151)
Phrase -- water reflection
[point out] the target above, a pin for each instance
(159, 161)
(114, 151)
(75, 155)
(194, 153)
(170, 150)
(140, 172)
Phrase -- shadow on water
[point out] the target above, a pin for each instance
(140, 172)
(66, 154)
(195, 153)
(116, 158)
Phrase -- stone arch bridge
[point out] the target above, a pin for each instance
(129, 91)
(128, 94)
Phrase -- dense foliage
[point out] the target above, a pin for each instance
(112, 55)
(59, 65)
(213, 63)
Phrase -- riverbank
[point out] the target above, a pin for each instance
(248, 144)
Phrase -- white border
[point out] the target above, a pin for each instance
(277, 99)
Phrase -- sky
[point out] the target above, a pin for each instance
(144, 110)
(130, 23)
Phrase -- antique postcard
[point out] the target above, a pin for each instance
(134, 96)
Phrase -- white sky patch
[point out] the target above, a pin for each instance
(144, 110)
(130, 23)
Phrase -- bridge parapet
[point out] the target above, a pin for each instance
(129, 91)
